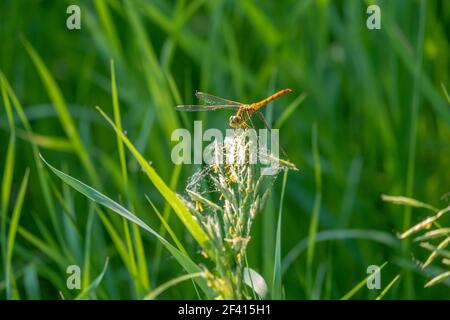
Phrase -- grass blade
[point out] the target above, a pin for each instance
(103, 200)
(388, 287)
(108, 25)
(166, 217)
(261, 22)
(63, 113)
(447, 96)
(412, 143)
(277, 271)
(48, 142)
(177, 205)
(358, 287)
(314, 224)
(167, 227)
(8, 172)
(87, 247)
(49, 251)
(118, 123)
(142, 275)
(154, 75)
(43, 183)
(140, 257)
(93, 286)
(152, 295)
(31, 283)
(10, 153)
(289, 110)
(12, 234)
(339, 234)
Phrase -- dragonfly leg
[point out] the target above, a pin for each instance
(261, 117)
(246, 116)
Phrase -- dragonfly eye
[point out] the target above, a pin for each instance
(235, 121)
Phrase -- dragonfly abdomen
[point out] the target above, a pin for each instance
(276, 95)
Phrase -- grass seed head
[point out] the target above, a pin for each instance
(226, 197)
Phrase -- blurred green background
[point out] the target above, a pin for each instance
(376, 96)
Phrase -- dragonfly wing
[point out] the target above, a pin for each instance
(209, 99)
(206, 108)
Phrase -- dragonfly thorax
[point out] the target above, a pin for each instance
(238, 120)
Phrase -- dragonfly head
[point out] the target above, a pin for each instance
(235, 121)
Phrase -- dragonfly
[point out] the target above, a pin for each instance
(243, 114)
(244, 110)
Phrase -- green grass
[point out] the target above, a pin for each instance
(378, 102)
(277, 286)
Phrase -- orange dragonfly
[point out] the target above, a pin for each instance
(244, 111)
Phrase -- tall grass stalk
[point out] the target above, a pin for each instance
(413, 129)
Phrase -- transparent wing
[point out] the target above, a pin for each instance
(206, 108)
(213, 100)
